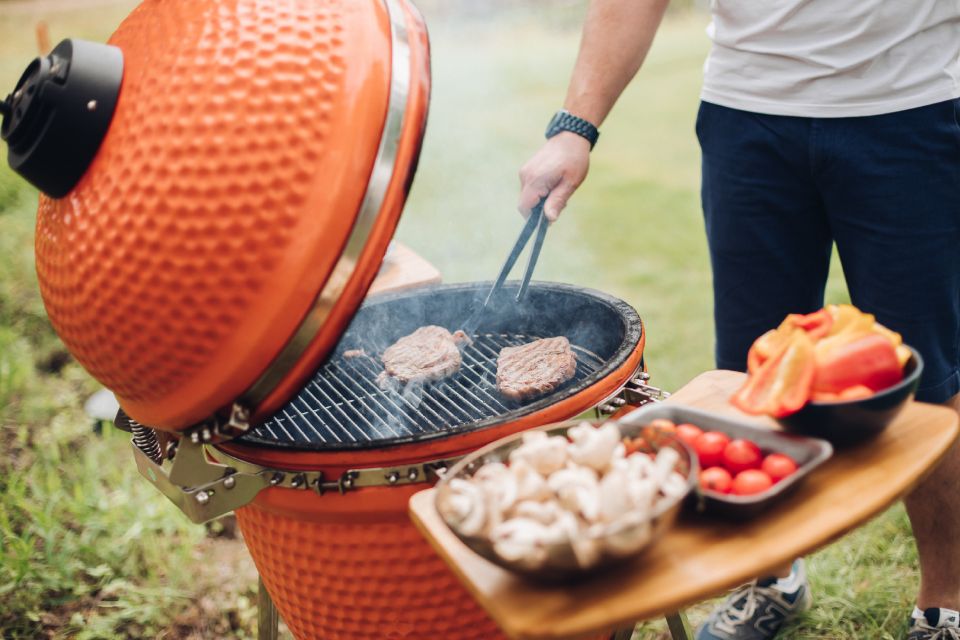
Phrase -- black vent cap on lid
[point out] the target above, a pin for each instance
(59, 113)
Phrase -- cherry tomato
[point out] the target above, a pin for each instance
(778, 466)
(663, 423)
(740, 455)
(716, 479)
(709, 447)
(751, 481)
(637, 444)
(688, 432)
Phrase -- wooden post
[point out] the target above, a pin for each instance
(268, 621)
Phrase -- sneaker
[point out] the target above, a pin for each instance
(757, 610)
(934, 624)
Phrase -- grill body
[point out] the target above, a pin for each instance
(352, 565)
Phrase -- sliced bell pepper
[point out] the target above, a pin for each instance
(763, 347)
(903, 355)
(816, 325)
(869, 360)
(853, 393)
(782, 384)
(895, 338)
(847, 317)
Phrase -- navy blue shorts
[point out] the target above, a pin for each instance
(778, 191)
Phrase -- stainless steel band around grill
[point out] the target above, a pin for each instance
(205, 489)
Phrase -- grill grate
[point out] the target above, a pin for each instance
(343, 407)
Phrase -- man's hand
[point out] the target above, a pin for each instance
(616, 37)
(555, 171)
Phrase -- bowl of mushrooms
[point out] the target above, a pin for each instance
(567, 499)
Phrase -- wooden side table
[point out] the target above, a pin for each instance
(402, 268)
(701, 558)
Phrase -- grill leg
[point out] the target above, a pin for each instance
(268, 622)
(679, 626)
(622, 634)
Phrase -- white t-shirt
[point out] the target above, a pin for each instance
(832, 58)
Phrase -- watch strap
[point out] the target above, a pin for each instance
(566, 121)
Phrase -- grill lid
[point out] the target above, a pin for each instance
(240, 203)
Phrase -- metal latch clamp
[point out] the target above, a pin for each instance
(636, 392)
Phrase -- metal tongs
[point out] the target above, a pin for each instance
(536, 222)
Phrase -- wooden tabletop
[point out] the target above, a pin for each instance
(701, 558)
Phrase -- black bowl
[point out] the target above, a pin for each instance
(852, 421)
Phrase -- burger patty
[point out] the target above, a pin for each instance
(428, 354)
(535, 368)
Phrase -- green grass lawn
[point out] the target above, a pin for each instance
(89, 550)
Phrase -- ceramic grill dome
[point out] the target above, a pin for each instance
(240, 202)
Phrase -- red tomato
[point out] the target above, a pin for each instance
(688, 432)
(778, 466)
(750, 482)
(716, 479)
(663, 423)
(709, 447)
(740, 455)
(637, 444)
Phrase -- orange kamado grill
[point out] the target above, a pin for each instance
(219, 186)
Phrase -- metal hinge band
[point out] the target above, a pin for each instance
(206, 483)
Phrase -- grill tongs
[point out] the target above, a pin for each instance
(536, 222)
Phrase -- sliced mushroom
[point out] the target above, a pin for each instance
(545, 454)
(594, 447)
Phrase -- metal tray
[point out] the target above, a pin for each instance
(809, 453)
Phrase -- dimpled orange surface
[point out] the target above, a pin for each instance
(221, 196)
(349, 580)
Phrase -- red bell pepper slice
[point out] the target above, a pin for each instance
(816, 324)
(870, 361)
(762, 347)
(782, 384)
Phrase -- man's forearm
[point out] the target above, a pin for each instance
(617, 35)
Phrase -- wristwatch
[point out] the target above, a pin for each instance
(563, 120)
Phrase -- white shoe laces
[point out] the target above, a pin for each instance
(945, 633)
(730, 617)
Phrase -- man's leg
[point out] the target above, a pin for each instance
(891, 184)
(766, 226)
(770, 248)
(935, 517)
